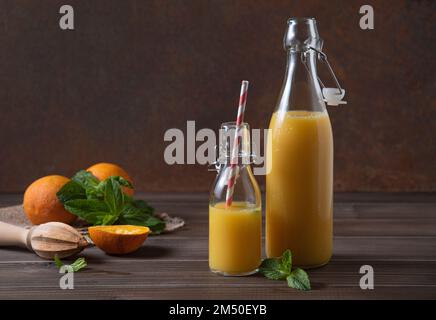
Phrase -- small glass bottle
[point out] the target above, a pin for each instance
(235, 231)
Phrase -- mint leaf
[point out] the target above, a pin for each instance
(85, 179)
(81, 207)
(108, 220)
(155, 224)
(113, 195)
(92, 211)
(274, 274)
(58, 261)
(143, 206)
(71, 190)
(130, 211)
(77, 265)
(100, 189)
(271, 268)
(123, 182)
(286, 262)
(298, 279)
(99, 218)
(88, 182)
(281, 268)
(105, 203)
(94, 194)
(140, 217)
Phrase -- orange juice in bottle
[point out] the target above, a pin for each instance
(235, 231)
(235, 237)
(299, 182)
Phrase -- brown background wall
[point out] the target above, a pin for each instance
(108, 90)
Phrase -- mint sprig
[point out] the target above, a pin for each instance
(281, 269)
(77, 265)
(298, 279)
(105, 203)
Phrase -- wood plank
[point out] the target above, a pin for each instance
(186, 248)
(195, 206)
(401, 227)
(114, 276)
(397, 197)
(115, 273)
(342, 227)
(199, 210)
(118, 266)
(201, 292)
(352, 210)
(396, 234)
(339, 197)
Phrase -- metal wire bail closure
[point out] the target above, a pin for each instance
(332, 96)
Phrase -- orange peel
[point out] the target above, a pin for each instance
(118, 239)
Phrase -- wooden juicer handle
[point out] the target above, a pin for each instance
(11, 235)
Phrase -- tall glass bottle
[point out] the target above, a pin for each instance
(299, 184)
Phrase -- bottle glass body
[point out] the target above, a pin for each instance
(235, 232)
(299, 184)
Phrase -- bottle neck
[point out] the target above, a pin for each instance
(241, 161)
(234, 144)
(301, 89)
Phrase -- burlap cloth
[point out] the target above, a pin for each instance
(15, 215)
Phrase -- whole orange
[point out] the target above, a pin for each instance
(104, 170)
(41, 204)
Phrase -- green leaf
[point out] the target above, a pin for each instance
(71, 190)
(94, 194)
(98, 191)
(298, 279)
(274, 274)
(155, 224)
(271, 263)
(108, 220)
(286, 262)
(281, 268)
(79, 264)
(113, 196)
(105, 203)
(130, 211)
(271, 268)
(123, 182)
(93, 211)
(83, 206)
(58, 261)
(140, 217)
(86, 179)
(99, 218)
(143, 206)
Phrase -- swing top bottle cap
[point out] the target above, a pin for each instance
(301, 34)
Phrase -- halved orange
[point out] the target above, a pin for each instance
(118, 239)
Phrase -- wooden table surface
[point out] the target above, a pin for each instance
(394, 233)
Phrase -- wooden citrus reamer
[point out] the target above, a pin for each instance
(46, 240)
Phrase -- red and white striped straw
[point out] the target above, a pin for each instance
(234, 168)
